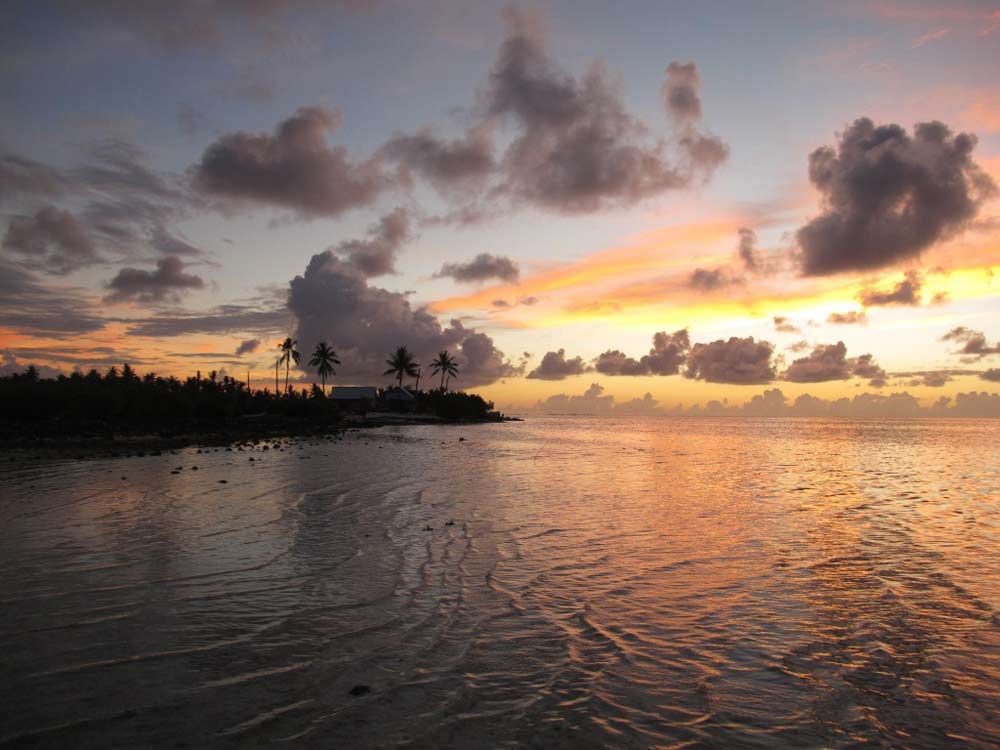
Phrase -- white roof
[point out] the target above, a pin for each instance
(353, 392)
(400, 394)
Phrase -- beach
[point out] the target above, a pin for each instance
(561, 582)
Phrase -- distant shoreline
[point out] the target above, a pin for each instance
(123, 440)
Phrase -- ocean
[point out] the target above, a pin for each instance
(560, 582)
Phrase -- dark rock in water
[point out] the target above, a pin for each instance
(123, 479)
(461, 440)
(223, 481)
(194, 468)
(360, 690)
(450, 523)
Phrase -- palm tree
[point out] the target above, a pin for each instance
(323, 359)
(401, 362)
(445, 364)
(289, 354)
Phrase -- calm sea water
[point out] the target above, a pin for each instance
(556, 583)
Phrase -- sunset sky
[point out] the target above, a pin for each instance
(561, 193)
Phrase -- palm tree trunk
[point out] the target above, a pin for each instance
(276, 363)
(417, 386)
(400, 378)
(288, 364)
(323, 378)
(443, 372)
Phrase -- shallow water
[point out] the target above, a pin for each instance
(629, 583)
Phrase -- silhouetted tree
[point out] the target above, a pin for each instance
(446, 365)
(289, 354)
(401, 362)
(323, 359)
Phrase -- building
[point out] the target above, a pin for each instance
(399, 399)
(356, 399)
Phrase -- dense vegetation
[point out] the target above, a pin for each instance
(124, 398)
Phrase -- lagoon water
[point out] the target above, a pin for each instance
(562, 582)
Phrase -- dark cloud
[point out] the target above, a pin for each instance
(333, 301)
(851, 317)
(783, 325)
(249, 346)
(888, 196)
(666, 357)
(830, 362)
(934, 379)
(224, 319)
(906, 292)
(992, 374)
(577, 148)
(680, 92)
(293, 169)
(34, 308)
(798, 346)
(376, 254)
(167, 283)
(709, 280)
(866, 367)
(825, 362)
(481, 268)
(52, 239)
(736, 361)
(974, 343)
(164, 242)
(190, 120)
(20, 178)
(747, 250)
(448, 165)
(555, 366)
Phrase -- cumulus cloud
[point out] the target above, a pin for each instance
(376, 254)
(784, 325)
(798, 347)
(906, 292)
(555, 366)
(825, 362)
(830, 362)
(52, 239)
(577, 148)
(333, 301)
(851, 317)
(481, 268)
(666, 357)
(594, 401)
(294, 168)
(449, 165)
(166, 283)
(774, 403)
(737, 361)
(249, 346)
(974, 344)
(888, 195)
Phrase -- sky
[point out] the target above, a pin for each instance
(638, 207)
